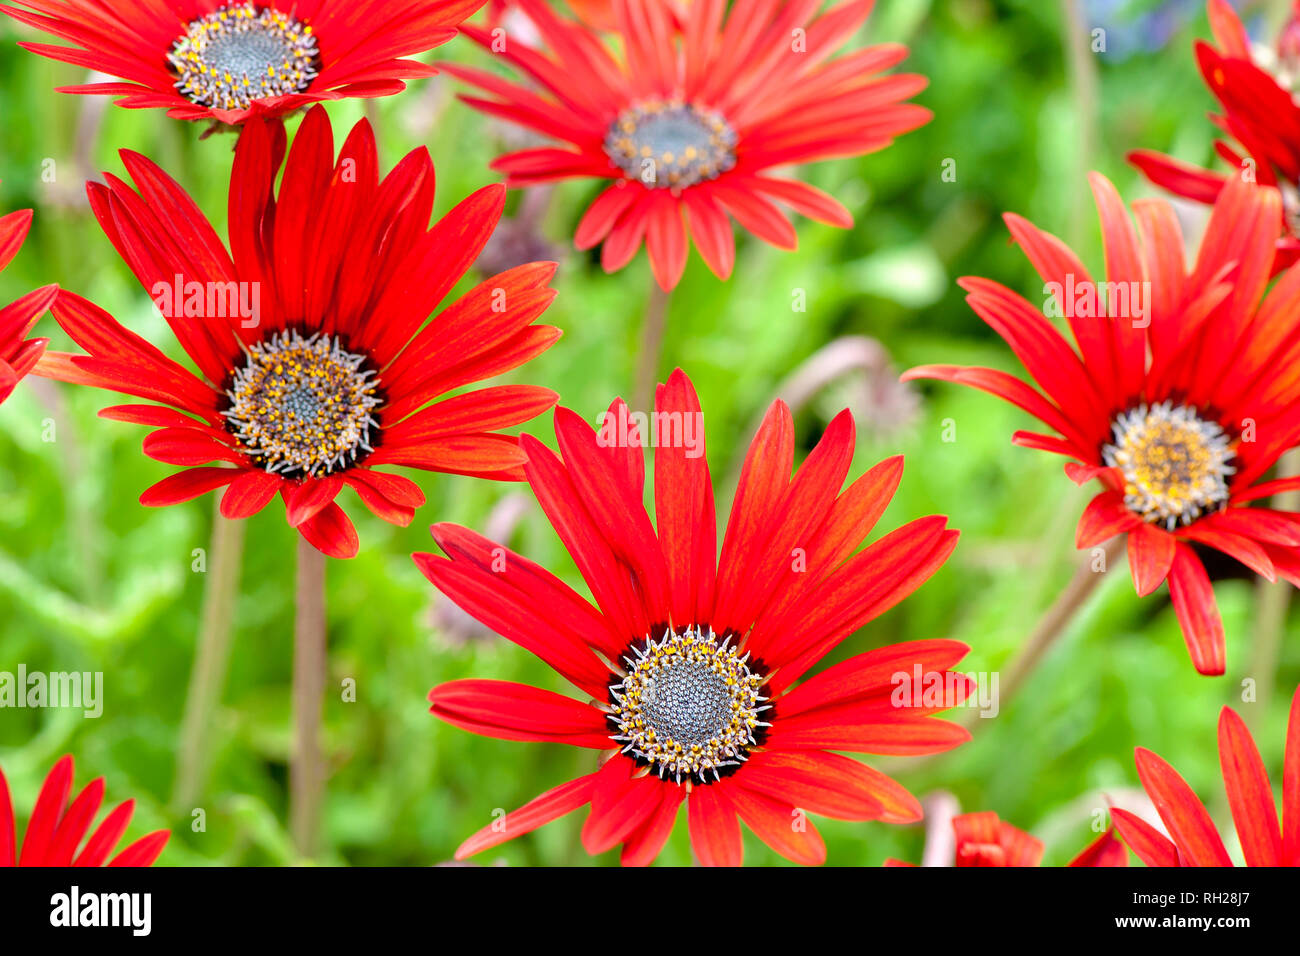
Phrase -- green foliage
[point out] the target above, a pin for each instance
(89, 580)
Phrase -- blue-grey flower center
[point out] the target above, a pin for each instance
(689, 705)
(240, 53)
(670, 144)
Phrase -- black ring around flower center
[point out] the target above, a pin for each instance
(688, 706)
(303, 406)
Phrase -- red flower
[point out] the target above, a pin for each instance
(1260, 114)
(57, 827)
(1193, 840)
(231, 61)
(984, 840)
(1180, 398)
(692, 117)
(690, 662)
(19, 354)
(331, 375)
(598, 14)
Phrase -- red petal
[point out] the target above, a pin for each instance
(1106, 850)
(1104, 518)
(510, 711)
(539, 811)
(645, 843)
(1250, 795)
(143, 851)
(331, 533)
(782, 826)
(1184, 816)
(46, 814)
(249, 493)
(715, 830)
(186, 485)
(1193, 599)
(1150, 845)
(1150, 556)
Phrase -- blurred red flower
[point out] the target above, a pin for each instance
(691, 118)
(1260, 114)
(1181, 397)
(984, 840)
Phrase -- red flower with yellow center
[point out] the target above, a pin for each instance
(1261, 115)
(316, 358)
(231, 60)
(691, 117)
(1180, 398)
(693, 666)
(58, 827)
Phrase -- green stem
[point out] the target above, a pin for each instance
(652, 343)
(211, 660)
(306, 766)
(1056, 620)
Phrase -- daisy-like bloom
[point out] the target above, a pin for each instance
(18, 354)
(231, 60)
(984, 840)
(692, 663)
(315, 362)
(58, 826)
(688, 119)
(1256, 88)
(1180, 398)
(1192, 838)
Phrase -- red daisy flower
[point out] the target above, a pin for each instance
(330, 377)
(58, 826)
(690, 661)
(693, 115)
(1192, 838)
(231, 60)
(984, 840)
(1181, 397)
(18, 354)
(1260, 114)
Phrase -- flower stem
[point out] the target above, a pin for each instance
(1055, 621)
(1082, 70)
(652, 344)
(211, 660)
(306, 767)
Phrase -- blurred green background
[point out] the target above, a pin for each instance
(91, 581)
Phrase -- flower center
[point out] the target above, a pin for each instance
(670, 145)
(688, 705)
(303, 406)
(238, 54)
(1175, 463)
